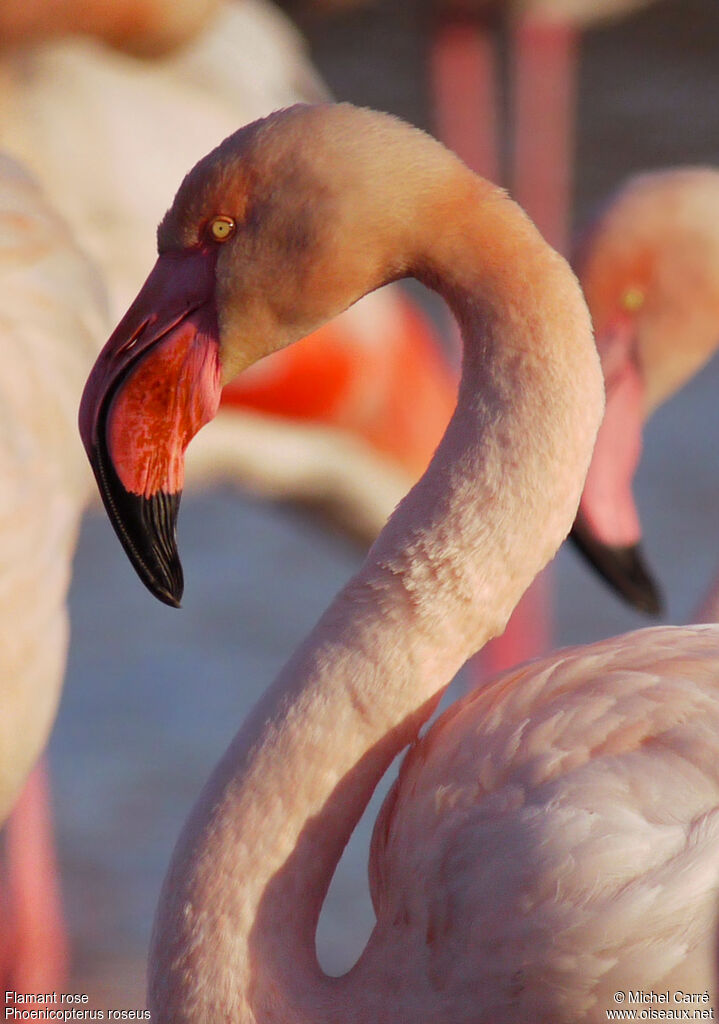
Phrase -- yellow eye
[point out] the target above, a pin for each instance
(633, 299)
(221, 228)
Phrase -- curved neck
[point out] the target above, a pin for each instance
(234, 937)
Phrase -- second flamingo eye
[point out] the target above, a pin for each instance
(633, 299)
(222, 228)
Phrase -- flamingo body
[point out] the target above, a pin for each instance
(134, 126)
(51, 316)
(553, 838)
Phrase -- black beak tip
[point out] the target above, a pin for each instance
(651, 600)
(146, 528)
(642, 589)
(623, 568)
(167, 590)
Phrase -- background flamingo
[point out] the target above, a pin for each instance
(52, 318)
(459, 847)
(649, 266)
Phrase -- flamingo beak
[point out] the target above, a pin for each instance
(622, 566)
(155, 383)
(607, 530)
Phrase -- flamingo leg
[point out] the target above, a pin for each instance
(34, 954)
(543, 76)
(463, 77)
(529, 633)
(543, 67)
(544, 59)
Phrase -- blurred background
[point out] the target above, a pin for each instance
(153, 696)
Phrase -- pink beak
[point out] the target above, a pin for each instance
(607, 529)
(155, 383)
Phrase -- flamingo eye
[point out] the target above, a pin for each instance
(222, 228)
(633, 299)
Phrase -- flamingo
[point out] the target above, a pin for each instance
(552, 838)
(649, 266)
(53, 317)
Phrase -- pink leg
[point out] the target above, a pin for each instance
(544, 71)
(528, 633)
(34, 956)
(543, 68)
(463, 77)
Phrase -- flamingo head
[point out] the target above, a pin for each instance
(253, 255)
(649, 267)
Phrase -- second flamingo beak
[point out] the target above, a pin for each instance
(607, 529)
(155, 383)
(622, 566)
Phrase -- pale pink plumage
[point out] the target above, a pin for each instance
(51, 319)
(551, 839)
(467, 84)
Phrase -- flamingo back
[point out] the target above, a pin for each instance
(560, 831)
